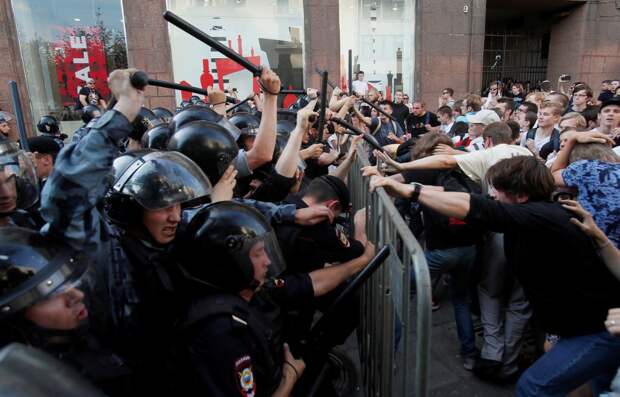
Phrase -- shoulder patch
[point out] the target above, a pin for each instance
(342, 237)
(245, 376)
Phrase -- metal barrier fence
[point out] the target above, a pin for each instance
(387, 339)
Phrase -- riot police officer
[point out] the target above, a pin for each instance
(49, 126)
(233, 328)
(89, 112)
(19, 186)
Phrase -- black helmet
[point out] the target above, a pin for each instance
(18, 177)
(234, 236)
(247, 123)
(195, 98)
(33, 267)
(48, 125)
(164, 114)
(154, 180)
(144, 121)
(90, 112)
(157, 137)
(184, 104)
(284, 128)
(208, 144)
(197, 112)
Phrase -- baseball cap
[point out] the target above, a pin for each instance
(484, 116)
(615, 100)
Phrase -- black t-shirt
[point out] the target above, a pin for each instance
(416, 124)
(604, 96)
(443, 232)
(568, 285)
(92, 96)
(400, 112)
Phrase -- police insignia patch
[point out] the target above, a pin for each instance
(342, 236)
(245, 377)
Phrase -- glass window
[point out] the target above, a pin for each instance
(381, 35)
(64, 43)
(267, 32)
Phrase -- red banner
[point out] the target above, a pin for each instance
(80, 55)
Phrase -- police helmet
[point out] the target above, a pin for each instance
(157, 137)
(18, 179)
(208, 144)
(195, 98)
(90, 112)
(153, 180)
(144, 121)
(242, 248)
(284, 128)
(197, 112)
(48, 125)
(34, 267)
(164, 114)
(247, 123)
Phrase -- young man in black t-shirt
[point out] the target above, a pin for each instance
(89, 95)
(400, 111)
(420, 121)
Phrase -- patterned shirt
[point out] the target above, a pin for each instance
(598, 183)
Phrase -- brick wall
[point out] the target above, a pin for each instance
(322, 40)
(586, 44)
(11, 67)
(148, 47)
(450, 48)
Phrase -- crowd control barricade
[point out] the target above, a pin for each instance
(387, 338)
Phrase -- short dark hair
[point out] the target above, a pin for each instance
(522, 175)
(590, 113)
(515, 130)
(359, 72)
(531, 106)
(426, 144)
(328, 187)
(531, 118)
(445, 110)
(450, 91)
(499, 132)
(606, 81)
(585, 88)
(510, 103)
(386, 102)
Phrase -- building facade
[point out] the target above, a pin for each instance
(418, 46)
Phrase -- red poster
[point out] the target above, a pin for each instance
(80, 55)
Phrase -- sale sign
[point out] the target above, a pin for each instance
(79, 56)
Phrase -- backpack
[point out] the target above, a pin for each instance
(555, 137)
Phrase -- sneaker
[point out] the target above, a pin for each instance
(487, 369)
(469, 362)
(435, 305)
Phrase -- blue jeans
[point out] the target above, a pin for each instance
(571, 363)
(458, 263)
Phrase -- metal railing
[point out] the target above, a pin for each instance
(386, 337)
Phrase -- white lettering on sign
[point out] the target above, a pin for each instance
(80, 42)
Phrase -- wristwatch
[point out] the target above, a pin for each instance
(417, 188)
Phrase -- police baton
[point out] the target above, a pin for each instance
(316, 345)
(378, 109)
(19, 116)
(355, 131)
(329, 82)
(211, 42)
(324, 79)
(138, 80)
(188, 88)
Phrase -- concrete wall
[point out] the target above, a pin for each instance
(586, 44)
(148, 47)
(450, 48)
(11, 67)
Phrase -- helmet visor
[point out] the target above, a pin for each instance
(260, 253)
(162, 179)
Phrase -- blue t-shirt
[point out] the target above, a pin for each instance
(598, 183)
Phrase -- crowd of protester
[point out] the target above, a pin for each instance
(190, 250)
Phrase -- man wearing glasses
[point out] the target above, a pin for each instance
(89, 95)
(581, 99)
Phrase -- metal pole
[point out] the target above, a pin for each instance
(19, 116)
(350, 72)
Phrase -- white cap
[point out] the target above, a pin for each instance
(485, 116)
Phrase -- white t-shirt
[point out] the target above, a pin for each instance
(476, 144)
(361, 87)
(476, 164)
(445, 128)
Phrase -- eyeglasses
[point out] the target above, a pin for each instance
(445, 92)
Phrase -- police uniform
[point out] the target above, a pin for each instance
(236, 347)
